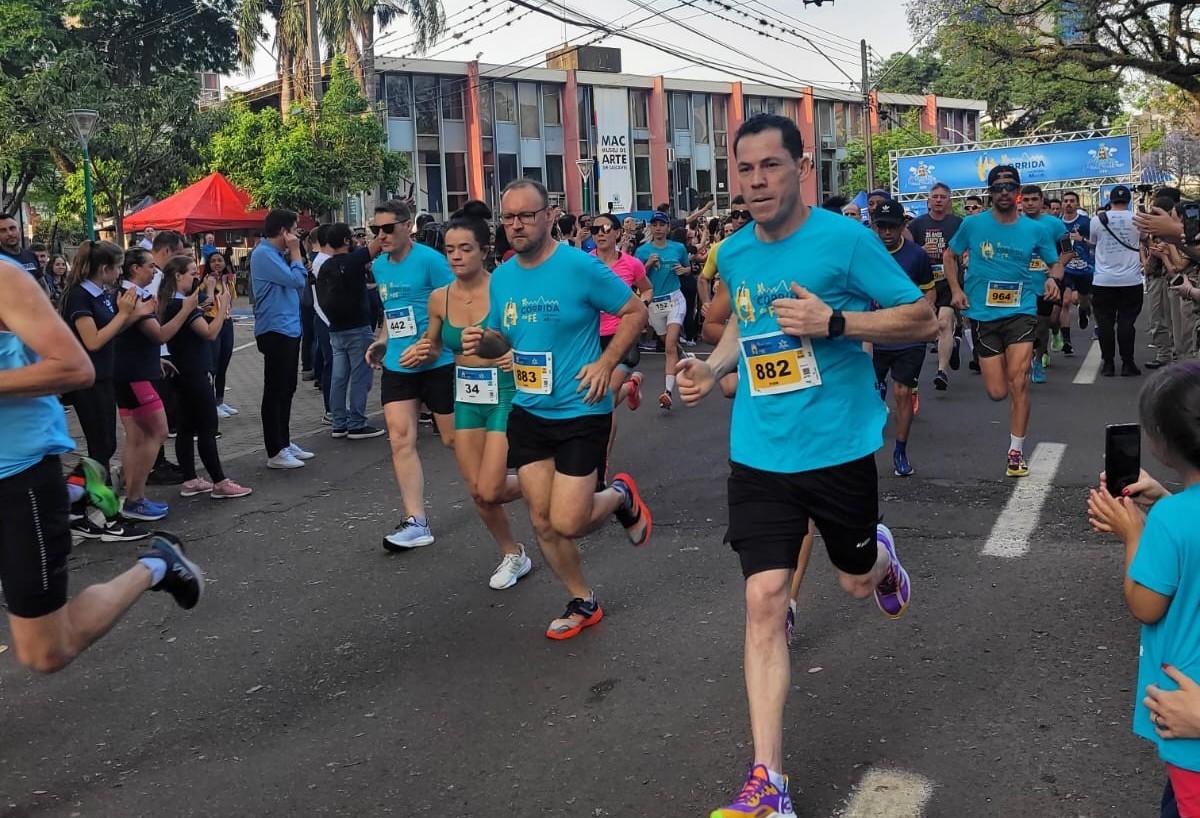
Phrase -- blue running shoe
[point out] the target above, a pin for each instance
(143, 509)
(1038, 373)
(900, 463)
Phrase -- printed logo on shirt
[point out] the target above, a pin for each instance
(533, 311)
(510, 314)
(987, 250)
(748, 306)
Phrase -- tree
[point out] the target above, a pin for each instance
(289, 31)
(908, 73)
(1159, 38)
(908, 135)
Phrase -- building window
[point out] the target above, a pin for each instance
(485, 109)
(825, 118)
(425, 92)
(527, 102)
(681, 114)
(456, 180)
(554, 174)
(507, 169)
(430, 179)
(551, 105)
(399, 103)
(643, 198)
(452, 98)
(532, 173)
(700, 119)
(506, 102)
(722, 192)
(720, 123)
(638, 109)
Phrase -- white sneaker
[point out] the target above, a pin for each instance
(284, 460)
(228, 409)
(298, 453)
(222, 414)
(510, 569)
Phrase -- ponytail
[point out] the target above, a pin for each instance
(90, 258)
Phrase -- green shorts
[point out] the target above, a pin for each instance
(490, 416)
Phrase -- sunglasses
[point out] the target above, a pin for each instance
(597, 229)
(389, 228)
(1003, 187)
(972, 207)
(739, 214)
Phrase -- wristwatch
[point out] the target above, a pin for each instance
(837, 325)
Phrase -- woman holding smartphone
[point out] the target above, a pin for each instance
(191, 352)
(218, 268)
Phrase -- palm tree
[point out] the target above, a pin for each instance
(348, 26)
(292, 65)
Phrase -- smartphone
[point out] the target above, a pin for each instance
(1122, 456)
(1191, 222)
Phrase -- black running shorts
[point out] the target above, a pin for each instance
(904, 365)
(769, 514)
(35, 539)
(992, 338)
(433, 387)
(578, 446)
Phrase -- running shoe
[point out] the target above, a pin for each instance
(165, 473)
(973, 365)
(337, 432)
(1017, 467)
(901, 465)
(197, 485)
(229, 410)
(1129, 369)
(426, 418)
(511, 568)
(183, 580)
(759, 798)
(916, 402)
(82, 526)
(298, 453)
(790, 621)
(633, 513)
(664, 401)
(1038, 373)
(941, 381)
(327, 419)
(223, 413)
(893, 591)
(1108, 369)
(408, 535)
(1083, 318)
(633, 396)
(1056, 341)
(120, 529)
(364, 433)
(1046, 359)
(284, 460)
(95, 483)
(1067, 349)
(955, 358)
(228, 490)
(580, 614)
(144, 509)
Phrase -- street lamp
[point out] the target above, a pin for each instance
(585, 171)
(84, 122)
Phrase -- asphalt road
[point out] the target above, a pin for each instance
(323, 676)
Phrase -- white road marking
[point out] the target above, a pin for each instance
(240, 347)
(1010, 534)
(1090, 367)
(889, 794)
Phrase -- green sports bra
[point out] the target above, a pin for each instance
(452, 335)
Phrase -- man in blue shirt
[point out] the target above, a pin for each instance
(806, 422)
(39, 359)
(545, 306)
(665, 262)
(902, 361)
(1079, 269)
(277, 275)
(415, 372)
(998, 294)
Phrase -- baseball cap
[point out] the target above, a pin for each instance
(1120, 195)
(1003, 170)
(889, 212)
(879, 192)
(660, 217)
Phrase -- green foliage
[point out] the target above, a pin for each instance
(909, 135)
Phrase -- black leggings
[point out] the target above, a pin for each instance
(222, 347)
(96, 408)
(197, 412)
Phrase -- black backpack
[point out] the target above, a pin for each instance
(333, 295)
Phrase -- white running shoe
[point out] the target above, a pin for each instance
(510, 569)
(299, 453)
(223, 413)
(284, 460)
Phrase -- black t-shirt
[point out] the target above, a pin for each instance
(136, 356)
(354, 270)
(88, 299)
(924, 228)
(25, 259)
(191, 354)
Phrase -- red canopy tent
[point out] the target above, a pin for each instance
(210, 204)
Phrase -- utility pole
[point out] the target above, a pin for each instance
(314, 49)
(866, 118)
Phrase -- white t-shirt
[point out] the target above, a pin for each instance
(1117, 265)
(318, 260)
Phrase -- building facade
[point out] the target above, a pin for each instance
(469, 129)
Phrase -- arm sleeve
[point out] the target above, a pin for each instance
(960, 240)
(924, 273)
(265, 267)
(875, 275)
(1157, 563)
(79, 304)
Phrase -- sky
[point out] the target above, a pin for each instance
(720, 33)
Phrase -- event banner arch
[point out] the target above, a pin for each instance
(1047, 162)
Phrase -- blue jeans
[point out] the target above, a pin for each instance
(352, 377)
(322, 357)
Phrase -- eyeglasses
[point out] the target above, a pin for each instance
(388, 228)
(598, 229)
(1003, 187)
(524, 218)
(739, 214)
(971, 208)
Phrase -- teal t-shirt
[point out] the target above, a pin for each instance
(1000, 281)
(1168, 563)
(551, 314)
(404, 289)
(1056, 228)
(663, 276)
(836, 417)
